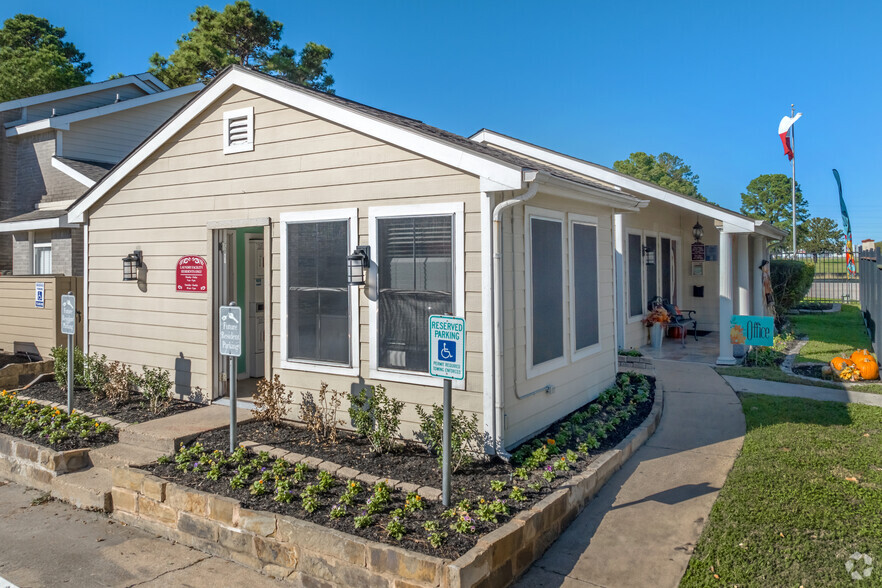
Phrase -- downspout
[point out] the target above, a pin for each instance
(498, 325)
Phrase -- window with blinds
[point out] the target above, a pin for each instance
(318, 294)
(585, 296)
(546, 276)
(635, 276)
(415, 273)
(42, 259)
(239, 130)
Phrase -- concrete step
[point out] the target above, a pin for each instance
(167, 434)
(89, 489)
(123, 454)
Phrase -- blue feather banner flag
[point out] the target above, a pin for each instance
(846, 224)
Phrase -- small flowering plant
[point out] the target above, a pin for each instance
(464, 524)
(656, 315)
(46, 423)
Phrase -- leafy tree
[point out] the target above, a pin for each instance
(822, 235)
(768, 197)
(245, 36)
(34, 60)
(666, 170)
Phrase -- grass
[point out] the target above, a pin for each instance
(831, 334)
(816, 466)
(774, 374)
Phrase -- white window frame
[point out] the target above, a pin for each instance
(351, 216)
(530, 213)
(47, 245)
(578, 354)
(248, 145)
(675, 275)
(633, 318)
(457, 211)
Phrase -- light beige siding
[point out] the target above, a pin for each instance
(27, 328)
(299, 163)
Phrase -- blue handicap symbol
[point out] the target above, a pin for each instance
(446, 350)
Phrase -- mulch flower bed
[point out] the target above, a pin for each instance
(8, 358)
(810, 370)
(52, 427)
(485, 494)
(133, 411)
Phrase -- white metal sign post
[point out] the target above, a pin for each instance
(69, 328)
(230, 343)
(446, 360)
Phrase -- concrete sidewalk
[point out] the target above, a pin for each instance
(754, 386)
(641, 528)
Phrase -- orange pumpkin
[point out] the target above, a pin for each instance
(838, 363)
(868, 367)
(859, 355)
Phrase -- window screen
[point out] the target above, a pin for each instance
(665, 255)
(318, 295)
(547, 289)
(635, 278)
(585, 301)
(415, 271)
(652, 269)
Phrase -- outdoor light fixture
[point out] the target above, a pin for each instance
(359, 261)
(131, 263)
(697, 230)
(650, 255)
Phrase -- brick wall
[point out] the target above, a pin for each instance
(7, 186)
(38, 181)
(61, 252)
(22, 255)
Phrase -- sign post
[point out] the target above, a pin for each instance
(446, 360)
(230, 343)
(69, 328)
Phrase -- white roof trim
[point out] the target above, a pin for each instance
(563, 188)
(36, 225)
(507, 176)
(66, 169)
(80, 90)
(63, 122)
(605, 174)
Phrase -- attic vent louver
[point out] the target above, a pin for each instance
(239, 130)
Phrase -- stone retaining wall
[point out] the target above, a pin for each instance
(286, 547)
(31, 465)
(11, 375)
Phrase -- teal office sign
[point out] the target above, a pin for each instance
(752, 330)
(447, 347)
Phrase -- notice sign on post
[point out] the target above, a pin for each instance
(68, 314)
(752, 330)
(230, 331)
(447, 347)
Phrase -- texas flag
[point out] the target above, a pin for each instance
(783, 129)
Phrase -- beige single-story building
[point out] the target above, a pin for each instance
(273, 186)
(656, 253)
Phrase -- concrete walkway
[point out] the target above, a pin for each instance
(754, 386)
(641, 528)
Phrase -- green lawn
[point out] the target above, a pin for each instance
(831, 334)
(805, 494)
(774, 374)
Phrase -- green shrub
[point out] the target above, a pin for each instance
(59, 354)
(791, 281)
(155, 386)
(465, 435)
(376, 416)
(96, 375)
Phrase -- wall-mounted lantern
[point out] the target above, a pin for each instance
(697, 230)
(649, 255)
(357, 263)
(131, 263)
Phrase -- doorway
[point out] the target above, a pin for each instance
(240, 278)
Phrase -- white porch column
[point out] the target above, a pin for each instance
(759, 253)
(743, 275)
(618, 254)
(726, 294)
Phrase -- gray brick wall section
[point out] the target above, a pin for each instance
(22, 255)
(38, 181)
(76, 249)
(8, 161)
(62, 253)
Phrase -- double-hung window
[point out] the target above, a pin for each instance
(418, 252)
(42, 258)
(320, 312)
(584, 297)
(635, 275)
(545, 290)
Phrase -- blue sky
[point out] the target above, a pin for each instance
(707, 81)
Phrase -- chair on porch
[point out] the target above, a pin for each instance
(678, 318)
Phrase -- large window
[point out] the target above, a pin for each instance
(42, 258)
(584, 293)
(415, 273)
(318, 321)
(545, 291)
(635, 275)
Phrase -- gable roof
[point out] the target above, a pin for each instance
(64, 121)
(496, 168)
(146, 81)
(735, 221)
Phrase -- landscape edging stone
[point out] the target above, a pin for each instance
(36, 466)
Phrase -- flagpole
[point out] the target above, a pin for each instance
(793, 177)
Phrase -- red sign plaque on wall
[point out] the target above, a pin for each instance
(191, 274)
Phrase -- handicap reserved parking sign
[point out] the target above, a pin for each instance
(446, 338)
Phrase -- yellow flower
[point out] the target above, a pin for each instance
(551, 441)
